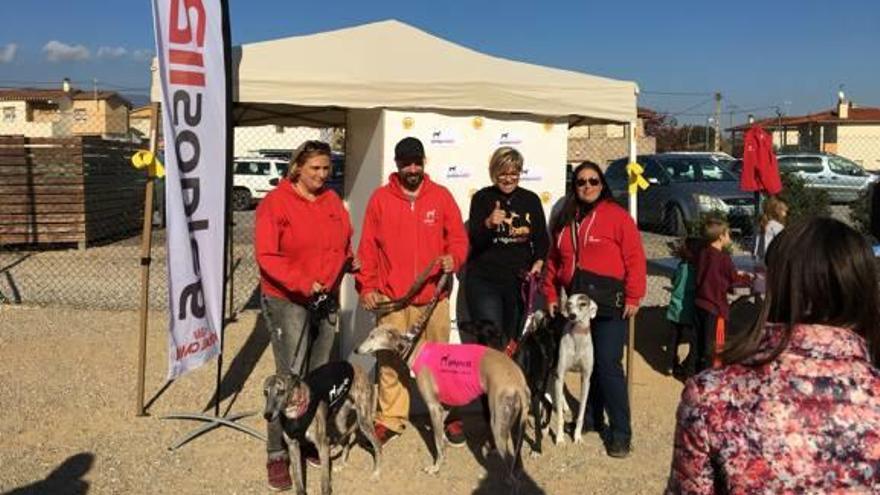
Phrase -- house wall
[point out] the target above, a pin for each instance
(860, 143)
(20, 125)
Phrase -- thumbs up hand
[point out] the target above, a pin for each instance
(496, 217)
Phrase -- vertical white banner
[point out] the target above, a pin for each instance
(190, 50)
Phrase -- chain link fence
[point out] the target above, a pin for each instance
(71, 204)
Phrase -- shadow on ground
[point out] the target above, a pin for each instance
(654, 331)
(66, 478)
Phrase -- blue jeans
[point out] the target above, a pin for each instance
(292, 345)
(608, 383)
(501, 304)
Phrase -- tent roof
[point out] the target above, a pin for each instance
(313, 79)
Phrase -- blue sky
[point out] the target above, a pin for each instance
(785, 53)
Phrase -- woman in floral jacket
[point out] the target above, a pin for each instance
(797, 408)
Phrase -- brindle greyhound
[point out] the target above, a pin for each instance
(289, 397)
(500, 378)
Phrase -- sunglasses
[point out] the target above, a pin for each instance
(593, 181)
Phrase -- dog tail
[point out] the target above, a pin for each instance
(524, 401)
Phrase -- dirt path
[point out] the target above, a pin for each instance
(67, 389)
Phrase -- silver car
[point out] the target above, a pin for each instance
(843, 179)
(682, 188)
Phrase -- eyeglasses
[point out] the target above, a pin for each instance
(509, 175)
(593, 181)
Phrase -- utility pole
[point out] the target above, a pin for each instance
(718, 121)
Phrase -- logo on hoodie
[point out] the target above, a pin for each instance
(430, 217)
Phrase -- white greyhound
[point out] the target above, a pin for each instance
(575, 353)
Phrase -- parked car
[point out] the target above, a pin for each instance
(682, 188)
(718, 156)
(843, 179)
(253, 178)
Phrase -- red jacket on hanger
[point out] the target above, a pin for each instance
(760, 171)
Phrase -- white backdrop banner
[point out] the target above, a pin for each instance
(190, 51)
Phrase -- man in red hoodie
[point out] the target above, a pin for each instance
(409, 223)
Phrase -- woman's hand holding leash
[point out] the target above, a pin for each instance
(370, 300)
(537, 267)
(552, 308)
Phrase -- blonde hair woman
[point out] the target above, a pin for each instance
(508, 235)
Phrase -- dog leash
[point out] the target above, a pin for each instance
(385, 307)
(528, 291)
(413, 333)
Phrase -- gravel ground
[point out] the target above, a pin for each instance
(68, 386)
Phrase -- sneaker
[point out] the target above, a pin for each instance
(618, 448)
(384, 434)
(455, 433)
(278, 470)
(310, 454)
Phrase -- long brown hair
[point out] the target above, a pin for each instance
(573, 204)
(819, 271)
(773, 208)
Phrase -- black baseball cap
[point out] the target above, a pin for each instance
(409, 148)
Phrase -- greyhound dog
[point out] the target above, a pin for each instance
(536, 354)
(575, 353)
(306, 406)
(455, 374)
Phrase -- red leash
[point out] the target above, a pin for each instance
(529, 291)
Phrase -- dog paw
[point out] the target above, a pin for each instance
(374, 476)
(577, 439)
(535, 454)
(432, 469)
(559, 440)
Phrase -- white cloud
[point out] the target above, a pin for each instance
(111, 52)
(57, 51)
(7, 53)
(142, 55)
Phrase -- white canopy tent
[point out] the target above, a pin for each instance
(311, 80)
(369, 78)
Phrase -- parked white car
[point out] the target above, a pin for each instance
(252, 180)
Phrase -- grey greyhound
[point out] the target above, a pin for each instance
(575, 353)
(306, 405)
(493, 373)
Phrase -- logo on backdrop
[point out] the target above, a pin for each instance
(457, 172)
(509, 138)
(445, 137)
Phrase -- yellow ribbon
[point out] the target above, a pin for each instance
(146, 159)
(636, 180)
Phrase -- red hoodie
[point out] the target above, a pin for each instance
(760, 170)
(610, 245)
(299, 242)
(401, 237)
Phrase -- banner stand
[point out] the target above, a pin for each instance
(216, 420)
(146, 247)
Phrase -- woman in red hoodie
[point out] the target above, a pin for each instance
(597, 250)
(302, 243)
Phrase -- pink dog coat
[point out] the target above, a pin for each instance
(456, 369)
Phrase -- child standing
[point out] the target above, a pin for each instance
(681, 307)
(772, 223)
(716, 276)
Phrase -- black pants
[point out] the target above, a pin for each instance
(608, 383)
(707, 323)
(682, 333)
(501, 304)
